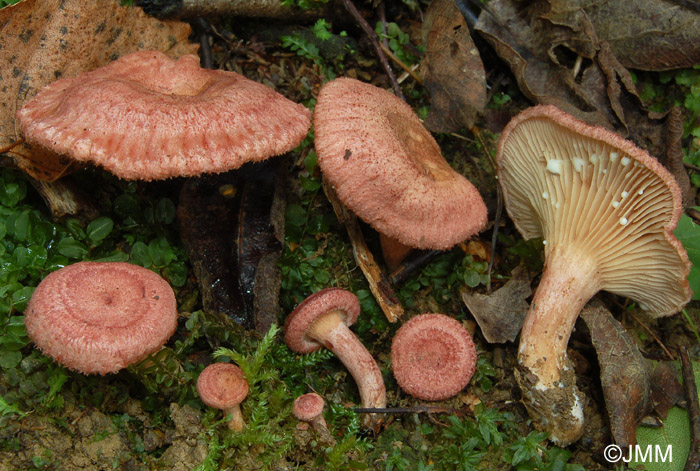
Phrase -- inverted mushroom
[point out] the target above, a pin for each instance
(433, 357)
(606, 210)
(389, 170)
(322, 320)
(223, 386)
(100, 317)
(146, 116)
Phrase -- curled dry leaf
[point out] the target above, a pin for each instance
(643, 34)
(500, 315)
(46, 40)
(623, 373)
(452, 69)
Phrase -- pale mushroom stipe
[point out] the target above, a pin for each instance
(607, 211)
(322, 320)
(389, 170)
(147, 117)
(224, 386)
(433, 357)
(100, 317)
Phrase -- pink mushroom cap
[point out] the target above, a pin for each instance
(389, 170)
(308, 407)
(222, 386)
(100, 317)
(433, 357)
(146, 116)
(314, 307)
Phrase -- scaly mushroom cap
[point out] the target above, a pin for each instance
(314, 307)
(308, 407)
(433, 357)
(388, 169)
(146, 116)
(100, 317)
(222, 386)
(581, 186)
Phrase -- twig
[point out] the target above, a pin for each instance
(409, 70)
(411, 410)
(410, 264)
(656, 338)
(378, 284)
(691, 166)
(693, 213)
(201, 26)
(372, 35)
(691, 393)
(11, 146)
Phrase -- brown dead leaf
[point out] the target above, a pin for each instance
(623, 373)
(42, 41)
(666, 388)
(452, 69)
(500, 315)
(595, 87)
(643, 34)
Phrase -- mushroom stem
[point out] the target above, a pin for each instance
(237, 422)
(332, 332)
(394, 251)
(545, 374)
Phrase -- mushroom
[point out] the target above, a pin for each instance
(100, 317)
(146, 116)
(223, 386)
(433, 357)
(309, 408)
(606, 210)
(322, 320)
(388, 169)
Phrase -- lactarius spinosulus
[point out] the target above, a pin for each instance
(322, 320)
(606, 211)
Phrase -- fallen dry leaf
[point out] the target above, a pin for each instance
(42, 41)
(500, 315)
(623, 374)
(643, 34)
(666, 388)
(452, 69)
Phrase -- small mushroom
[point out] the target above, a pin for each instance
(309, 408)
(146, 116)
(389, 170)
(100, 317)
(433, 357)
(606, 210)
(322, 320)
(223, 386)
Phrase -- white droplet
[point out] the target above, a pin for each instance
(643, 307)
(625, 161)
(624, 194)
(615, 204)
(557, 205)
(578, 163)
(605, 170)
(641, 192)
(554, 166)
(614, 156)
(623, 221)
(593, 158)
(544, 242)
(545, 195)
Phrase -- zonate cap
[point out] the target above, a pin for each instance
(222, 386)
(588, 189)
(388, 169)
(100, 317)
(146, 116)
(433, 357)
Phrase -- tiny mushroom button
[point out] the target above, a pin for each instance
(322, 320)
(606, 210)
(433, 357)
(389, 170)
(223, 386)
(100, 317)
(147, 117)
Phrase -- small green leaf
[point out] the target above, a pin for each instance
(165, 211)
(72, 248)
(689, 234)
(296, 215)
(100, 228)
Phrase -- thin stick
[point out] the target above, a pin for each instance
(378, 284)
(410, 71)
(693, 213)
(691, 394)
(656, 338)
(412, 264)
(411, 410)
(372, 35)
(11, 146)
